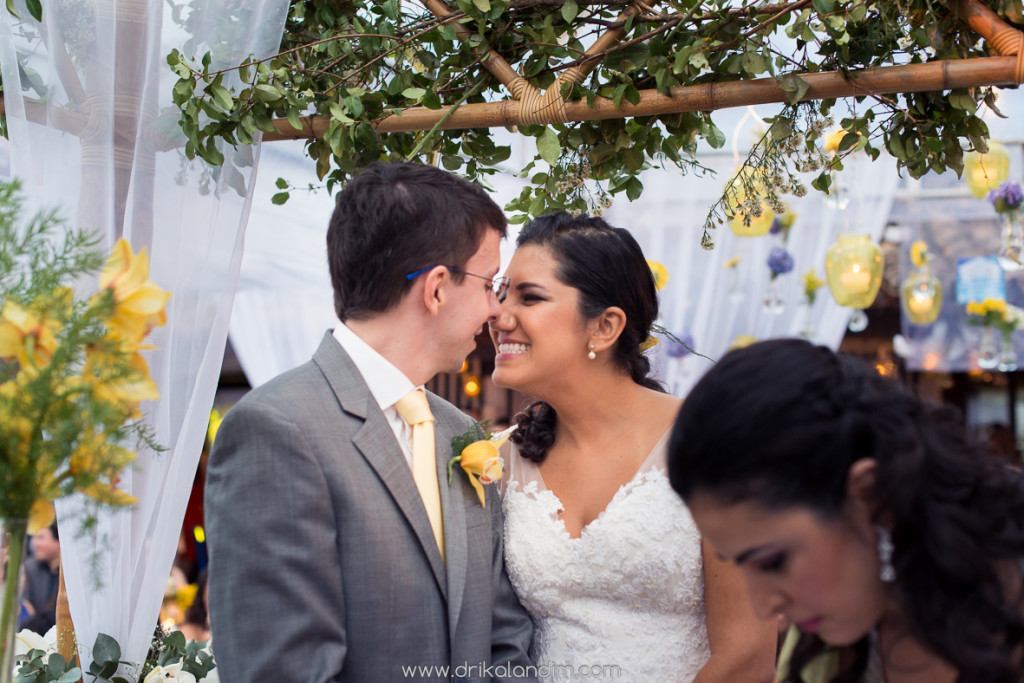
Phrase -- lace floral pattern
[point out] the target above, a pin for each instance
(628, 592)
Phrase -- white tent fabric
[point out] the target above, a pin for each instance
(712, 304)
(92, 130)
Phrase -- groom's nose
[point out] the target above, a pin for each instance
(494, 310)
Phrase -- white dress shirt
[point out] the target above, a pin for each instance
(387, 383)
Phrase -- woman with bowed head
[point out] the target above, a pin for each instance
(600, 551)
(892, 544)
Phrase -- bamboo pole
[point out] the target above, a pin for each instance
(66, 642)
(932, 76)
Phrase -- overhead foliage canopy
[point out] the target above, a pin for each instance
(593, 82)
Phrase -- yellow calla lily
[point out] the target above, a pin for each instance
(22, 333)
(138, 301)
(482, 463)
(128, 391)
(40, 516)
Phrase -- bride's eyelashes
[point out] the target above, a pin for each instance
(773, 563)
(530, 298)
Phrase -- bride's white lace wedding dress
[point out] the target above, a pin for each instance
(629, 592)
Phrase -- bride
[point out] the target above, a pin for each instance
(600, 550)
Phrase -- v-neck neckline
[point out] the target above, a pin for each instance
(642, 469)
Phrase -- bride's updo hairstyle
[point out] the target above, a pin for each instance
(781, 422)
(607, 267)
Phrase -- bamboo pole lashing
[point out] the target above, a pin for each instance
(939, 75)
(1003, 38)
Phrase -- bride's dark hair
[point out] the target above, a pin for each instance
(607, 267)
(781, 422)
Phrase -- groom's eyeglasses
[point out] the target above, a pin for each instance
(499, 284)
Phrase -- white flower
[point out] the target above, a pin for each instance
(30, 640)
(171, 672)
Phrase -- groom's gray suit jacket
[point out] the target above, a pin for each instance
(323, 565)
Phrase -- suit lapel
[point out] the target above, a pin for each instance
(376, 442)
(453, 509)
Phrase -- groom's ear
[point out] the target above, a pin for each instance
(606, 328)
(433, 292)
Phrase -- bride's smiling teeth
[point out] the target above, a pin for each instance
(513, 348)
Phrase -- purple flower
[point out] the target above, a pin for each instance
(776, 226)
(780, 261)
(677, 350)
(1007, 197)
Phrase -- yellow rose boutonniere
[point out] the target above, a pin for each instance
(476, 450)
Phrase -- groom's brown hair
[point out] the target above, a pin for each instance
(394, 219)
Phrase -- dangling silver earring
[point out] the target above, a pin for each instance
(886, 571)
(590, 354)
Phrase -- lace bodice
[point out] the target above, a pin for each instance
(629, 592)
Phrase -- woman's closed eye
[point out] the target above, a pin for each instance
(530, 298)
(773, 563)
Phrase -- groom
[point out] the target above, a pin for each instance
(333, 556)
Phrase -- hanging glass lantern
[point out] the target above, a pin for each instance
(853, 266)
(984, 172)
(759, 225)
(921, 294)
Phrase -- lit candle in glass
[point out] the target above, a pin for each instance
(920, 305)
(856, 280)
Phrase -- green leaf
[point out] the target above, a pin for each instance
(73, 675)
(221, 96)
(715, 137)
(634, 188)
(105, 649)
(570, 10)
(35, 8)
(548, 146)
(483, 5)
(794, 86)
(280, 198)
(414, 93)
(753, 63)
(293, 119)
(267, 93)
(633, 159)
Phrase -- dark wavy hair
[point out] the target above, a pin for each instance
(395, 218)
(780, 423)
(607, 267)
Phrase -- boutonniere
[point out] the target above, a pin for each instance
(476, 450)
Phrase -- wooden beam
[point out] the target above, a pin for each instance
(932, 76)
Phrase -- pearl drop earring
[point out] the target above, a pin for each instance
(590, 354)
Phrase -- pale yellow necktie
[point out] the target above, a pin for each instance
(414, 409)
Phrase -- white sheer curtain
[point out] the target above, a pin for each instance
(92, 129)
(712, 304)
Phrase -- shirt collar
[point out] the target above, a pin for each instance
(387, 383)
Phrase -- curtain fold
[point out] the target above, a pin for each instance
(93, 131)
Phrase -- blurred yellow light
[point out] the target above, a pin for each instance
(471, 387)
(465, 365)
(200, 534)
(984, 172)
